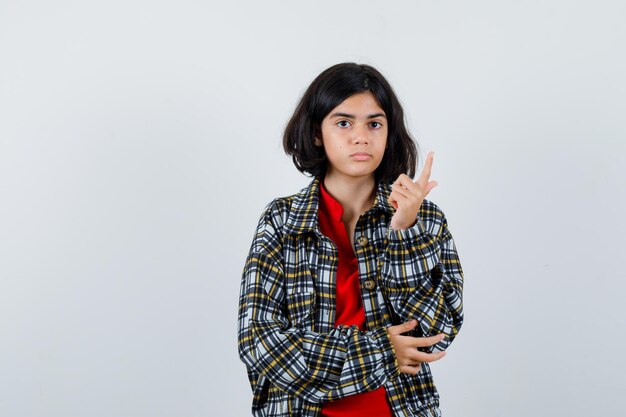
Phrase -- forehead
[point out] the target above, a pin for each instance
(359, 104)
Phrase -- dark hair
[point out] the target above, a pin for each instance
(326, 92)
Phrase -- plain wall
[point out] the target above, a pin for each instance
(140, 141)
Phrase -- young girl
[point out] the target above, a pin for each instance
(353, 285)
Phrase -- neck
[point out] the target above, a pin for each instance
(356, 194)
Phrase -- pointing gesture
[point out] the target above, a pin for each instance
(407, 196)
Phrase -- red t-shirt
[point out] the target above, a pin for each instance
(349, 309)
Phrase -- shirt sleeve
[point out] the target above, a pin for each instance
(423, 277)
(314, 366)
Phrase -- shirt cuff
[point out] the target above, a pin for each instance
(398, 236)
(391, 366)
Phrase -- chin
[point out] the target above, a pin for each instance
(359, 172)
(362, 174)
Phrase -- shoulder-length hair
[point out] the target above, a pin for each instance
(326, 92)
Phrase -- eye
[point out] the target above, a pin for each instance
(343, 123)
(376, 125)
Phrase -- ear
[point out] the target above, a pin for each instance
(318, 137)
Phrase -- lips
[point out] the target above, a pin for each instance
(361, 156)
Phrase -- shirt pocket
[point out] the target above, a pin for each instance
(300, 307)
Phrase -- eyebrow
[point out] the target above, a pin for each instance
(351, 116)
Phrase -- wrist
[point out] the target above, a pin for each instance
(403, 226)
(397, 235)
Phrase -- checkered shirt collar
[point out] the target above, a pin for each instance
(303, 216)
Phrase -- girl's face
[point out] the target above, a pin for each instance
(354, 136)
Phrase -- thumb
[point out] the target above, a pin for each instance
(431, 185)
(403, 328)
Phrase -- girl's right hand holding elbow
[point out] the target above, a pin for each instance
(409, 358)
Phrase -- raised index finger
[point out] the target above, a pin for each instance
(428, 165)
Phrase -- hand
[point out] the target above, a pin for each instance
(409, 358)
(407, 196)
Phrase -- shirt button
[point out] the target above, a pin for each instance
(361, 240)
(369, 284)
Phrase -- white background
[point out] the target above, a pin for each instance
(140, 141)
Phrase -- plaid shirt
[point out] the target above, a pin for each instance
(296, 358)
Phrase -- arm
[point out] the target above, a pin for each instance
(314, 366)
(424, 278)
(421, 268)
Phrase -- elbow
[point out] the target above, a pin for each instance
(451, 331)
(246, 355)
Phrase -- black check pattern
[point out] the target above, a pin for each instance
(296, 358)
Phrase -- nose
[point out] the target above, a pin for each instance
(360, 135)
